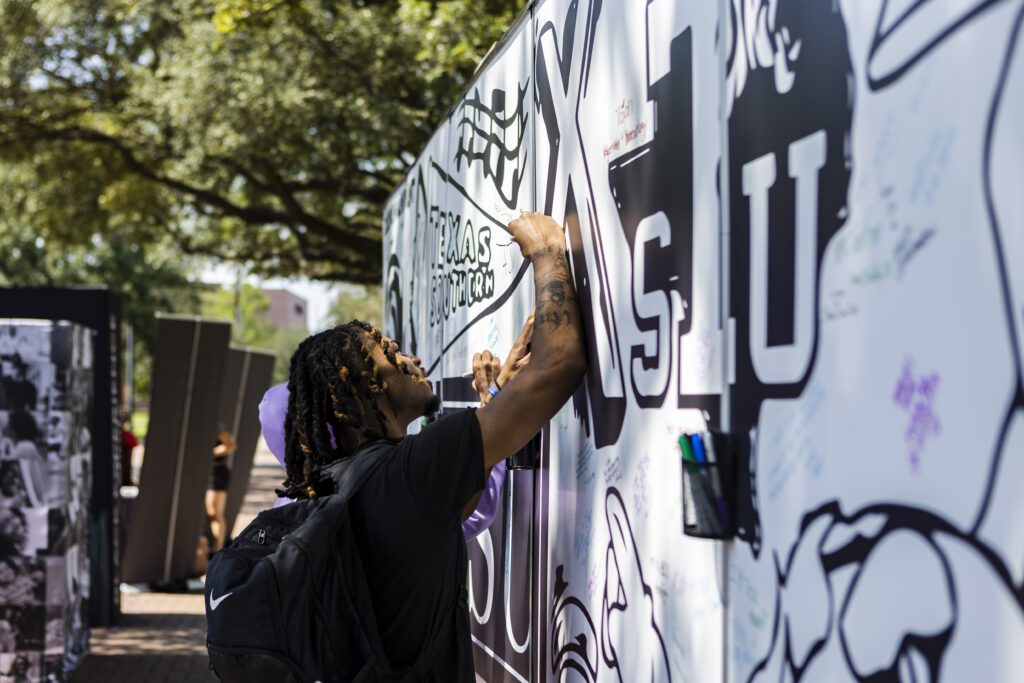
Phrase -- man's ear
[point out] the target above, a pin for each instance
(370, 382)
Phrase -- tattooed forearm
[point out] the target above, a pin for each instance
(555, 292)
(556, 298)
(552, 258)
(555, 318)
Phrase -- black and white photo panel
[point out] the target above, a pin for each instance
(22, 629)
(23, 531)
(22, 581)
(23, 463)
(54, 637)
(19, 667)
(45, 489)
(29, 342)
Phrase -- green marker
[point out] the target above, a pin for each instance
(687, 448)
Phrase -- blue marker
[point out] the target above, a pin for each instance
(698, 449)
(723, 510)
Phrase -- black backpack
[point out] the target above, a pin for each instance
(288, 601)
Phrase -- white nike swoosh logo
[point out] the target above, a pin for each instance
(215, 603)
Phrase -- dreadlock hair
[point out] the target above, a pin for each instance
(329, 385)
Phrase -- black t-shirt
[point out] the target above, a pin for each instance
(407, 524)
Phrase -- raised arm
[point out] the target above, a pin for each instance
(557, 360)
(227, 444)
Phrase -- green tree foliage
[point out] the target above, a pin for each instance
(283, 344)
(359, 302)
(95, 234)
(246, 308)
(68, 219)
(265, 132)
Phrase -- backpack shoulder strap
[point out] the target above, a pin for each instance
(350, 473)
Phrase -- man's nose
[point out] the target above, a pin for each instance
(416, 360)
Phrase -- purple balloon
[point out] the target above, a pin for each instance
(487, 507)
(273, 409)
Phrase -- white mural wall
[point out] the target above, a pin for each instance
(874, 549)
(798, 221)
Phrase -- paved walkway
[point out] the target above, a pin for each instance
(161, 637)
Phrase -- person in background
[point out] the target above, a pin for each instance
(128, 443)
(217, 493)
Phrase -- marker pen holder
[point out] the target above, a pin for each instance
(709, 509)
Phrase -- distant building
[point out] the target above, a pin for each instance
(286, 309)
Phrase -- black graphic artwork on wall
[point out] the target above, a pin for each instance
(393, 302)
(929, 24)
(941, 584)
(500, 584)
(1001, 199)
(600, 409)
(627, 638)
(488, 137)
(652, 185)
(608, 412)
(789, 169)
(574, 644)
(902, 40)
(414, 213)
(843, 566)
(653, 189)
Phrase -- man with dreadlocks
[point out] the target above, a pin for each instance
(351, 385)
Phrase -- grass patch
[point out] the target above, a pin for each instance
(140, 424)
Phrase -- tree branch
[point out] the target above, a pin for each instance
(256, 215)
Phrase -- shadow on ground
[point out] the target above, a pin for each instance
(161, 637)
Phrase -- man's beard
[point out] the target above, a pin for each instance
(432, 405)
